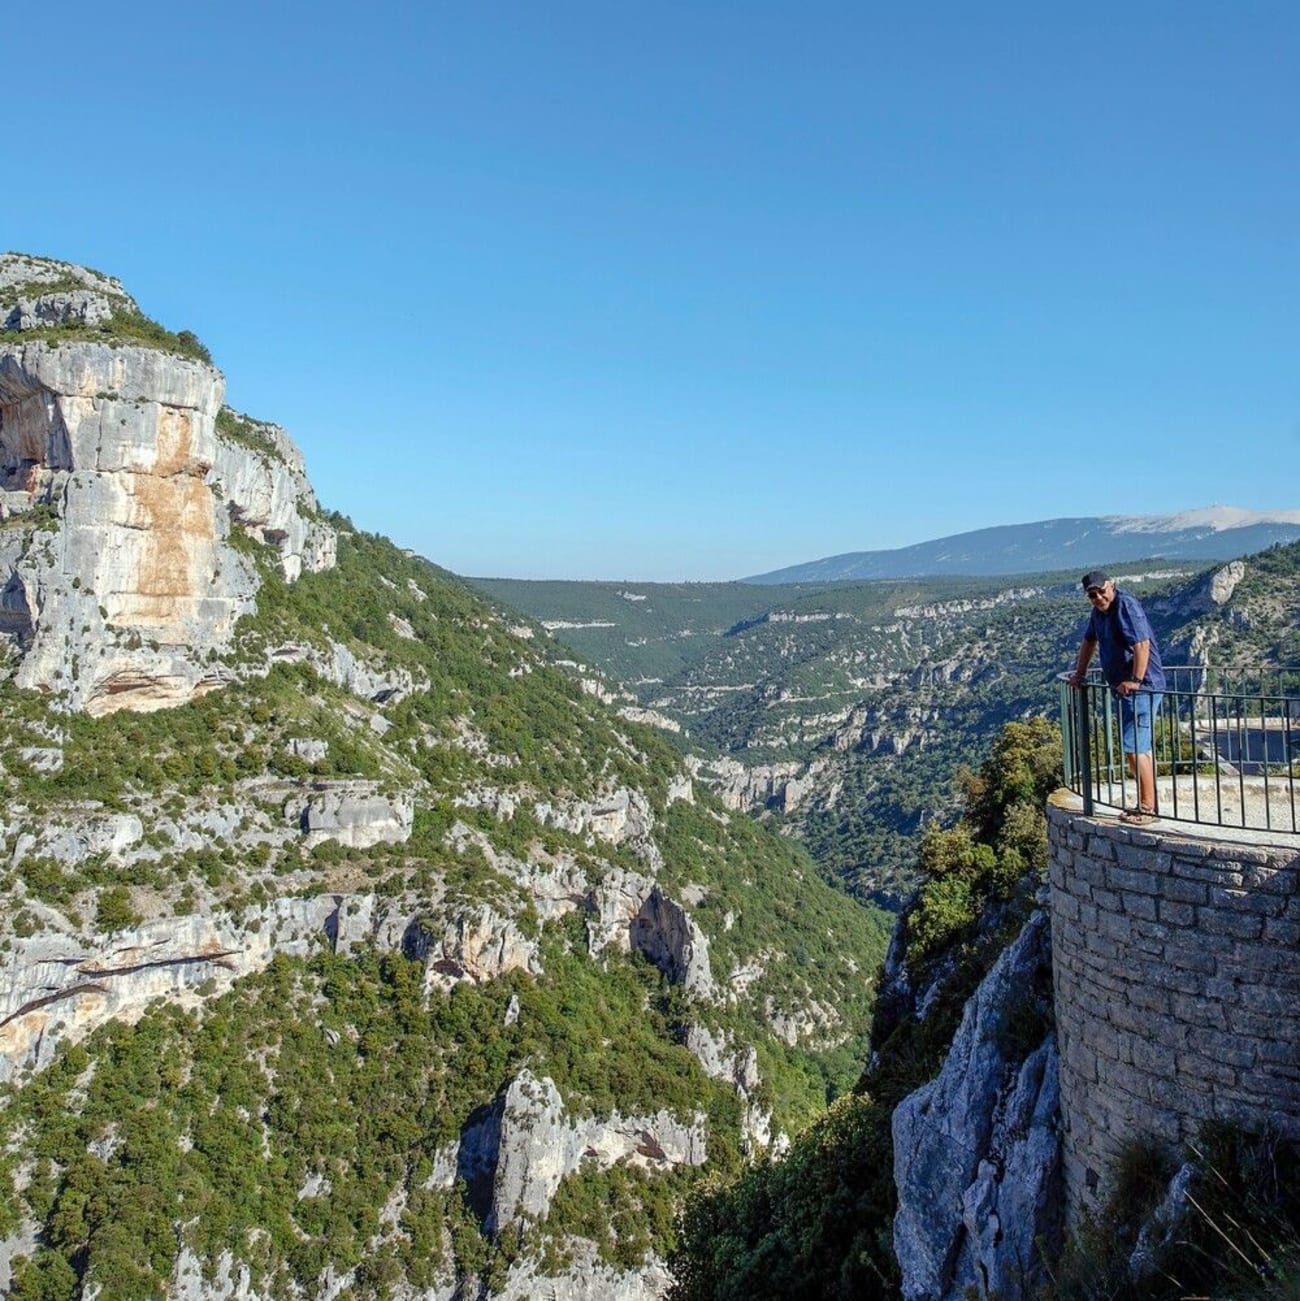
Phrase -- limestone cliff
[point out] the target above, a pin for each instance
(119, 583)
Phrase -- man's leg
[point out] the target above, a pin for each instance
(1146, 780)
(1137, 716)
(1142, 770)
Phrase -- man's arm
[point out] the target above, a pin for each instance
(1141, 654)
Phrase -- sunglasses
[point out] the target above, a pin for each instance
(1096, 591)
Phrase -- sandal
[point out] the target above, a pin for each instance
(1138, 817)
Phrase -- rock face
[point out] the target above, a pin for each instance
(621, 817)
(763, 786)
(125, 584)
(337, 664)
(632, 913)
(977, 1151)
(720, 1060)
(670, 938)
(356, 814)
(478, 944)
(38, 289)
(228, 1282)
(84, 832)
(55, 988)
(1206, 595)
(588, 1279)
(267, 492)
(58, 986)
(536, 1146)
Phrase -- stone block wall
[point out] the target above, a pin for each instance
(1176, 964)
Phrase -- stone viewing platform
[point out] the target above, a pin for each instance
(1176, 969)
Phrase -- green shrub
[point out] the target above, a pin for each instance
(946, 906)
(114, 911)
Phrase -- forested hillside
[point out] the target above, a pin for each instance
(350, 947)
(284, 1117)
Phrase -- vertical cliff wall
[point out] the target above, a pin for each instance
(1176, 965)
(119, 585)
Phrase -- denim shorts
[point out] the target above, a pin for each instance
(1137, 714)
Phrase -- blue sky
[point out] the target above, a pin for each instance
(670, 290)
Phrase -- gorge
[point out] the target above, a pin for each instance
(367, 938)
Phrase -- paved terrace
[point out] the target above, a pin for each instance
(1233, 809)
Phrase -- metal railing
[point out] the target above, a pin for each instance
(1225, 753)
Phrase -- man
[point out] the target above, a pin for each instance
(1130, 659)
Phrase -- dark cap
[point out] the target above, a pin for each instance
(1095, 578)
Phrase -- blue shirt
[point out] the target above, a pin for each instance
(1116, 632)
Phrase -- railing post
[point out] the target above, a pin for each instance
(1083, 743)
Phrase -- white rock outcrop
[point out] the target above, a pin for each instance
(268, 494)
(353, 813)
(227, 1281)
(537, 1145)
(478, 944)
(650, 717)
(632, 914)
(720, 1060)
(670, 937)
(808, 1021)
(22, 1242)
(79, 834)
(619, 816)
(615, 903)
(121, 592)
(587, 1278)
(746, 789)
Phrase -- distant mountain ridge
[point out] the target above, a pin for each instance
(1213, 533)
